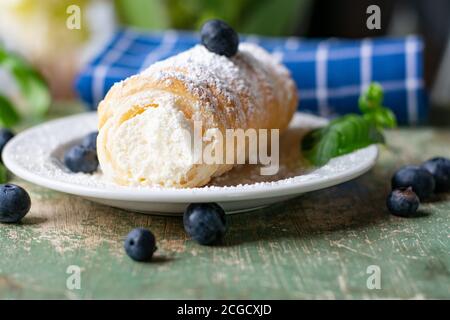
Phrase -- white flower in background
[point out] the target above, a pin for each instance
(37, 30)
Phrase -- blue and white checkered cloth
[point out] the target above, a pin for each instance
(330, 73)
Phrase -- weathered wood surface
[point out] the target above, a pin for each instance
(316, 246)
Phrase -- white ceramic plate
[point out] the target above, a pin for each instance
(35, 155)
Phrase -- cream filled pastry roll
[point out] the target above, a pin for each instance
(146, 122)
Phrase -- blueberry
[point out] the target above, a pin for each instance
(220, 38)
(421, 181)
(14, 203)
(81, 159)
(439, 167)
(5, 136)
(403, 202)
(205, 222)
(90, 141)
(140, 244)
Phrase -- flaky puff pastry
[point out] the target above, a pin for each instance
(145, 120)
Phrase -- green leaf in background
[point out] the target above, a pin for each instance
(32, 85)
(274, 18)
(8, 115)
(350, 132)
(265, 17)
(3, 174)
(144, 13)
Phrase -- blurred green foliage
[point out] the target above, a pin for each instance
(266, 17)
(3, 174)
(32, 87)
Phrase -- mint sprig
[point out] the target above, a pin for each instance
(32, 86)
(348, 133)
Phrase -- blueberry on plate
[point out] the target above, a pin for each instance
(81, 159)
(439, 167)
(403, 202)
(140, 244)
(205, 222)
(5, 136)
(14, 203)
(90, 141)
(220, 38)
(419, 179)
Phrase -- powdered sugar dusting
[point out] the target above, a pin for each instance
(199, 69)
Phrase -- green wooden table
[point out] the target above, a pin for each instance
(320, 245)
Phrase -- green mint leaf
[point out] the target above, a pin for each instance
(343, 135)
(382, 118)
(3, 174)
(387, 118)
(370, 100)
(8, 115)
(350, 132)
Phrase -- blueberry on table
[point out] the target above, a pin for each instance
(5, 136)
(81, 159)
(419, 179)
(90, 141)
(220, 38)
(14, 203)
(140, 244)
(439, 167)
(403, 202)
(205, 222)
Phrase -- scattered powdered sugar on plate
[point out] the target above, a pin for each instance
(39, 152)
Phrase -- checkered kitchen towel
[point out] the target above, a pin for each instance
(330, 74)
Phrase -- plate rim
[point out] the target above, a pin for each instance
(161, 195)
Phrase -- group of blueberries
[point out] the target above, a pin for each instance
(412, 184)
(204, 222)
(83, 157)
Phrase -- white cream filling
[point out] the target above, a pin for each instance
(154, 147)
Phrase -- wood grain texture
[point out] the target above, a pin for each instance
(316, 246)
